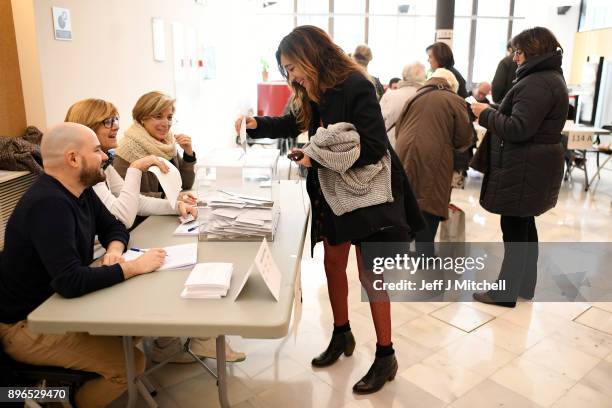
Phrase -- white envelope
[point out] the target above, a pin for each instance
(170, 182)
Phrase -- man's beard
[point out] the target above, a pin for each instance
(91, 176)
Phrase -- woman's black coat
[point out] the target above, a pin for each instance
(526, 155)
(353, 101)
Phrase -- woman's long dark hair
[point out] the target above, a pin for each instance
(325, 65)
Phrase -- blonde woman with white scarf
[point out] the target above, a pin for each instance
(150, 134)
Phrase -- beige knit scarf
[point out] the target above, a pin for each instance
(138, 143)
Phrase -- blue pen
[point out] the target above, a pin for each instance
(192, 228)
(136, 249)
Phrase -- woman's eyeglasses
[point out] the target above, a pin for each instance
(110, 122)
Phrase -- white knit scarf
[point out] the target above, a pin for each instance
(138, 143)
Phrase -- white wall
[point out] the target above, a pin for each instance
(544, 13)
(111, 54)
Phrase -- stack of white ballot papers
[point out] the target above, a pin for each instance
(177, 256)
(237, 216)
(208, 281)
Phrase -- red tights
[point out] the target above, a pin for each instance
(335, 261)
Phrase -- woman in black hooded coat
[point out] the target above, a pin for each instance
(525, 166)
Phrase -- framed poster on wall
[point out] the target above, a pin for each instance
(62, 27)
(159, 39)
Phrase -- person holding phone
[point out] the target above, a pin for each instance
(526, 158)
(328, 88)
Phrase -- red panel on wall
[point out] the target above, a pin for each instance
(272, 98)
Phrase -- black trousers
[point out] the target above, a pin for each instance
(520, 265)
(424, 239)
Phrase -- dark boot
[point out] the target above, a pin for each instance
(485, 297)
(383, 369)
(340, 343)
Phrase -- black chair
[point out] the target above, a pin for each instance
(16, 374)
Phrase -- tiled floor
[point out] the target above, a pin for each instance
(450, 355)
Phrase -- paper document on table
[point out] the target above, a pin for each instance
(257, 214)
(170, 182)
(190, 228)
(246, 197)
(208, 280)
(228, 212)
(177, 256)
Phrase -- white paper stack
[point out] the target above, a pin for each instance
(177, 256)
(208, 281)
(236, 216)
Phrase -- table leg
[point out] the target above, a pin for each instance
(221, 373)
(599, 168)
(128, 352)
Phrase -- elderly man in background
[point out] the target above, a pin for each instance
(435, 124)
(393, 101)
(481, 92)
(48, 249)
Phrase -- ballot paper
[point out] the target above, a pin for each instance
(239, 217)
(187, 229)
(208, 281)
(177, 256)
(186, 219)
(470, 99)
(267, 268)
(170, 182)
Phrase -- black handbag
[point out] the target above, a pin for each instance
(480, 160)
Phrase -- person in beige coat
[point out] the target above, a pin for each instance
(435, 124)
(393, 101)
(150, 134)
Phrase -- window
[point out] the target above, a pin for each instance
(398, 31)
(490, 48)
(349, 23)
(313, 12)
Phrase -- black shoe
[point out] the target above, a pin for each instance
(485, 297)
(383, 369)
(340, 343)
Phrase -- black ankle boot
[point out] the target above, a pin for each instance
(383, 369)
(340, 343)
(485, 297)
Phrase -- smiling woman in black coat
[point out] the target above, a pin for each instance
(328, 88)
(526, 158)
